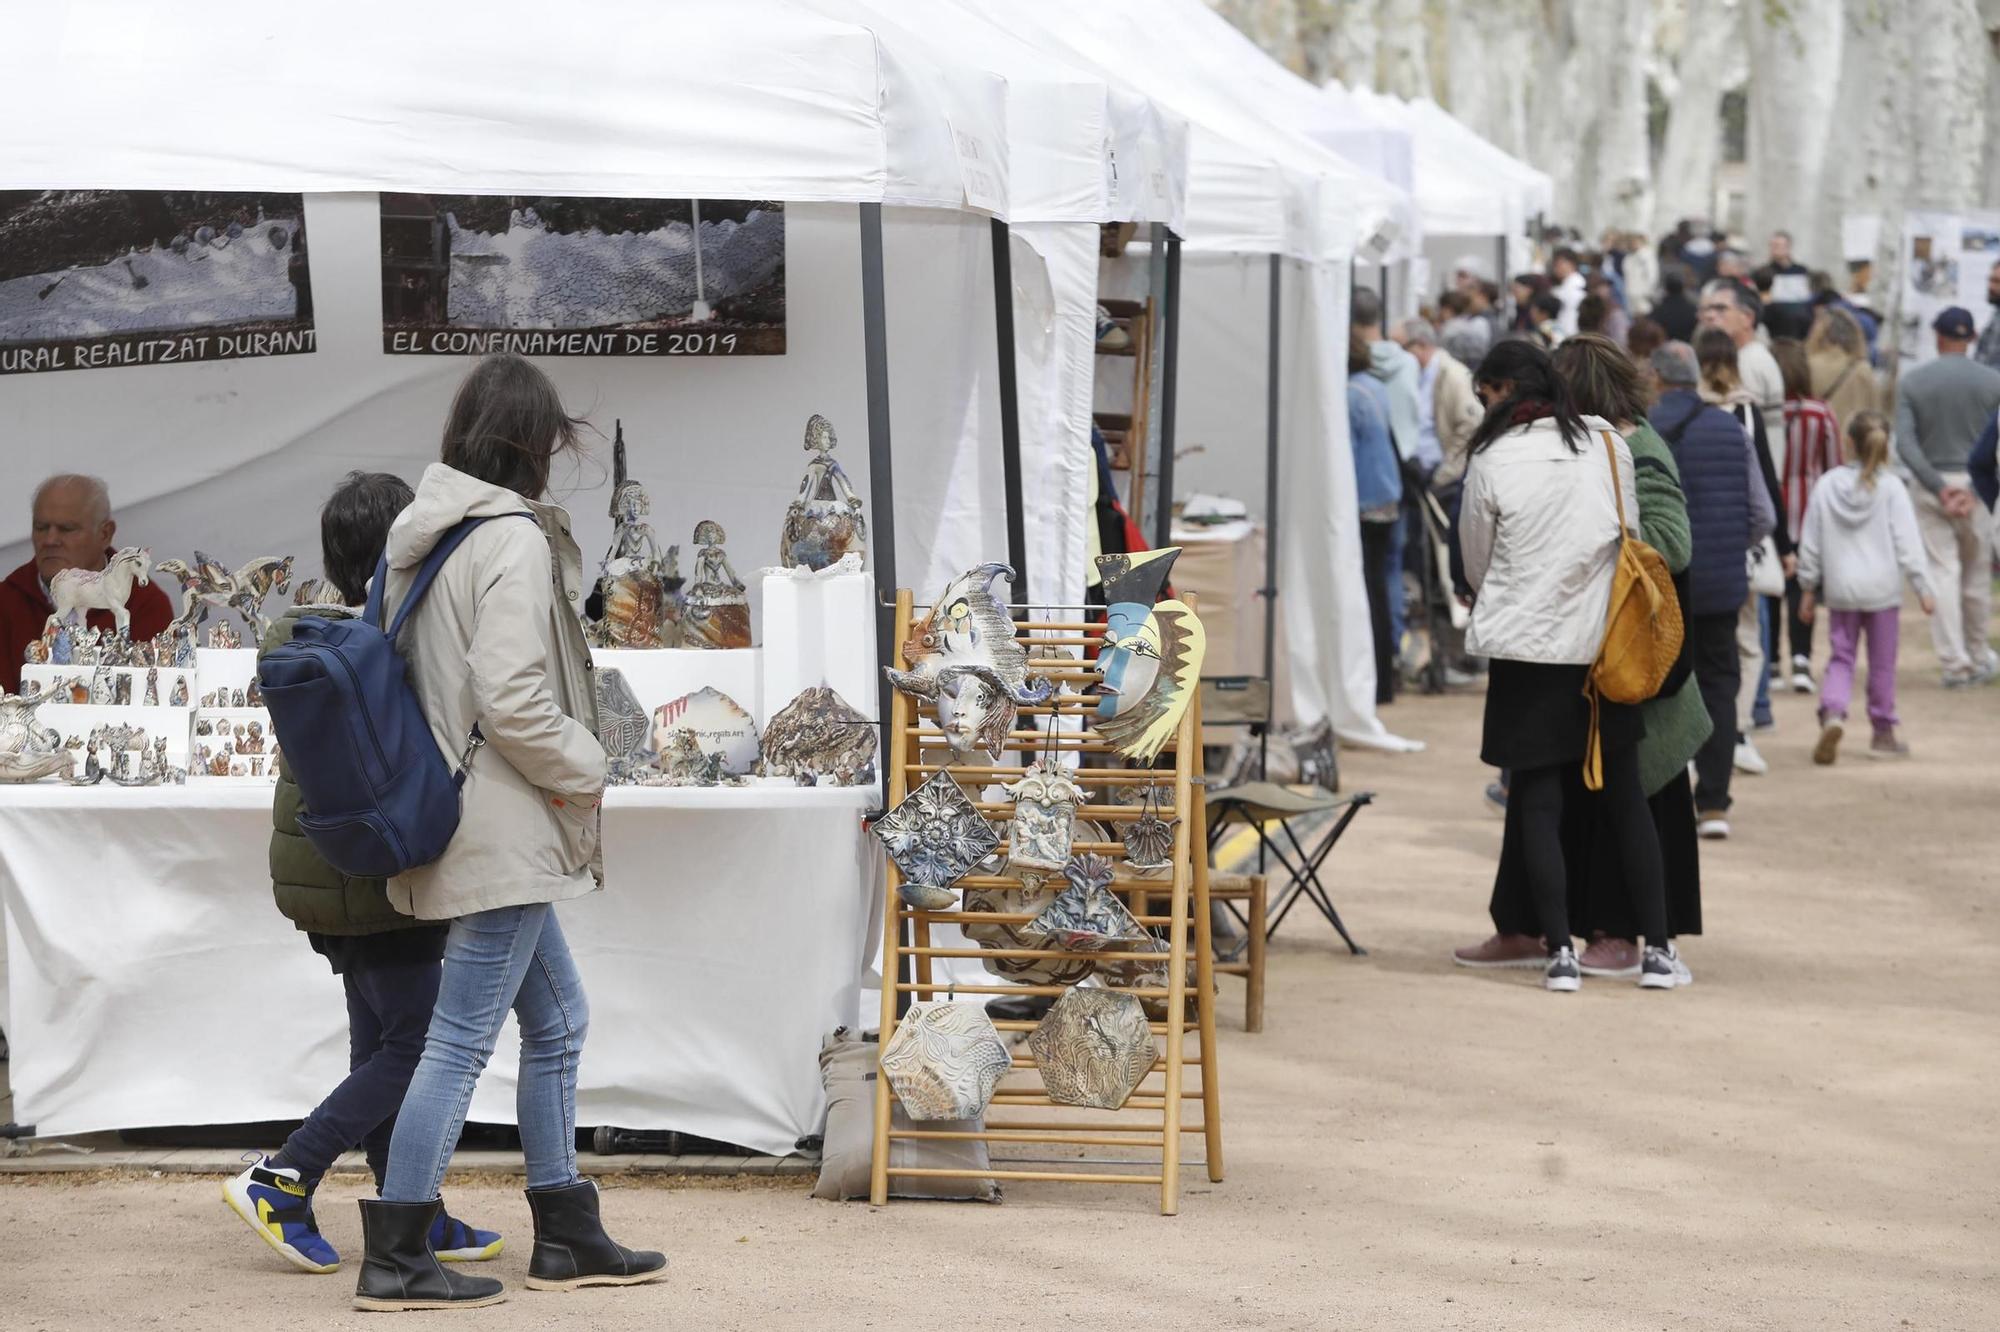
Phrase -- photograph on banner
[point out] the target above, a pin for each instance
(1947, 258)
(93, 279)
(467, 275)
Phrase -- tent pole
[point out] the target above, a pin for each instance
(1271, 509)
(1146, 459)
(881, 461)
(1500, 273)
(1163, 512)
(1010, 408)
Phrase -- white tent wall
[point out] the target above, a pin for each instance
(1055, 339)
(235, 457)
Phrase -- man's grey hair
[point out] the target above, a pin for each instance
(1364, 308)
(1745, 299)
(95, 492)
(1675, 364)
(1417, 332)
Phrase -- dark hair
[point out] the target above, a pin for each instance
(507, 425)
(1454, 302)
(1591, 312)
(1491, 291)
(1529, 377)
(1601, 377)
(1644, 335)
(354, 526)
(1563, 252)
(1360, 356)
(1675, 283)
(1365, 309)
(1790, 354)
(1546, 304)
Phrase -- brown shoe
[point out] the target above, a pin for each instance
(1610, 957)
(1828, 748)
(1503, 950)
(1885, 745)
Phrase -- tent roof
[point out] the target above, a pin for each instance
(756, 99)
(1079, 149)
(1457, 194)
(1537, 187)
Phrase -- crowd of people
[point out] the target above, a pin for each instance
(1737, 420)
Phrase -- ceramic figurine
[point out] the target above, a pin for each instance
(1149, 839)
(254, 582)
(824, 522)
(60, 648)
(254, 743)
(1044, 821)
(945, 1060)
(638, 587)
(241, 699)
(121, 689)
(1087, 916)
(318, 592)
(76, 592)
(179, 697)
(79, 690)
(222, 636)
(719, 724)
(820, 735)
(936, 836)
(1094, 1048)
(102, 685)
(965, 659)
(208, 583)
(30, 751)
(622, 728)
(1151, 660)
(254, 696)
(683, 762)
(239, 767)
(204, 727)
(151, 698)
(715, 612)
(209, 700)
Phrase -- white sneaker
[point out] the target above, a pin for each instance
(1713, 828)
(1802, 681)
(1563, 975)
(1748, 760)
(1663, 970)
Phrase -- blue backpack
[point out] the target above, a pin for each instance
(379, 797)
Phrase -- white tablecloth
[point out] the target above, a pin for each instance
(153, 982)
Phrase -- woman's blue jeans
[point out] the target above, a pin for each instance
(509, 958)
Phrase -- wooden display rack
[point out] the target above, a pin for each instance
(1125, 432)
(1153, 1116)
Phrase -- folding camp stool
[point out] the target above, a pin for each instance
(1259, 804)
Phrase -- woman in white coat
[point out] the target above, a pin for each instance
(498, 662)
(1539, 530)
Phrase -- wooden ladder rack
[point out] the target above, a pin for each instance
(1125, 432)
(1154, 1116)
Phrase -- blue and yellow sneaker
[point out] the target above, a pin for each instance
(275, 1204)
(455, 1242)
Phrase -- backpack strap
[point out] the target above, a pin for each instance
(426, 574)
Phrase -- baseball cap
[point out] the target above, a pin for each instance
(1954, 322)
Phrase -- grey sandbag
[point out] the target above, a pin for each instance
(847, 1069)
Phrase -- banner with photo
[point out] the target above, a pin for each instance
(467, 275)
(92, 279)
(1948, 259)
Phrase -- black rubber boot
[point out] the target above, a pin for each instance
(571, 1248)
(399, 1271)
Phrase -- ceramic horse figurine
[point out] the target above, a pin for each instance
(85, 590)
(198, 591)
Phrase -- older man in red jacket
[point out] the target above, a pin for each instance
(74, 529)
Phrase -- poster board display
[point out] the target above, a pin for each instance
(1947, 259)
(466, 274)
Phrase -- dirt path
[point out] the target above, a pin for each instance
(1803, 1140)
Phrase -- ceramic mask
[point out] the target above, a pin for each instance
(1087, 916)
(1151, 660)
(1044, 822)
(824, 523)
(720, 725)
(968, 628)
(819, 735)
(716, 613)
(945, 1060)
(1094, 1048)
(936, 837)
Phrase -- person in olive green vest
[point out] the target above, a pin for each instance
(389, 964)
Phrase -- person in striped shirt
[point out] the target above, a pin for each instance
(1812, 449)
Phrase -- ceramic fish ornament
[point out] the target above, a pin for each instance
(1094, 1048)
(935, 836)
(1151, 661)
(824, 523)
(945, 1060)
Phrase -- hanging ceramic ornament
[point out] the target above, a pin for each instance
(935, 836)
(720, 725)
(1087, 916)
(824, 523)
(1149, 839)
(820, 735)
(1044, 821)
(1151, 661)
(715, 611)
(1094, 1048)
(967, 636)
(945, 1060)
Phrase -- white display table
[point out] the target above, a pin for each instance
(153, 982)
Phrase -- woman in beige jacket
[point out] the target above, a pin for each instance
(499, 665)
(1837, 351)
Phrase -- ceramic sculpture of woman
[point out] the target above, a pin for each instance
(498, 645)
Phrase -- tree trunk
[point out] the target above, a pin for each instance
(1487, 43)
(1703, 72)
(1621, 188)
(1403, 49)
(1795, 53)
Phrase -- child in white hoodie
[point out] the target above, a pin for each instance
(1860, 542)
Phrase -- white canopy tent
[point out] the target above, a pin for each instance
(1250, 211)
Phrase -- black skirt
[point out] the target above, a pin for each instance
(1537, 717)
